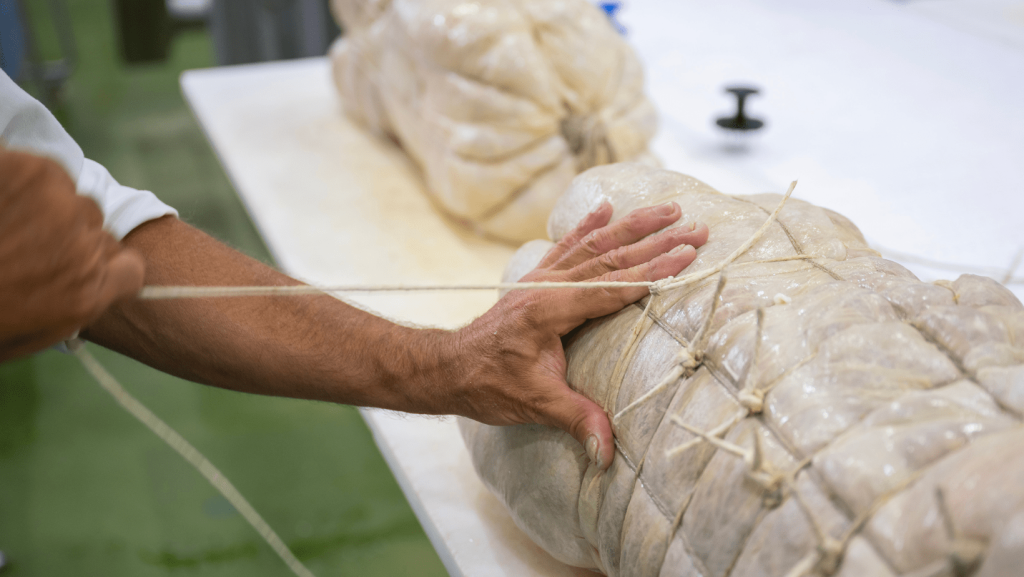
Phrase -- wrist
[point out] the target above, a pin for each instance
(422, 371)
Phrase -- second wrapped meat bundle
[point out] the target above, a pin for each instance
(500, 103)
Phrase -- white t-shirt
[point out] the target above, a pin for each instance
(26, 125)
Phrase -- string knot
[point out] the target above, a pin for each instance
(688, 361)
(830, 555)
(758, 471)
(772, 487)
(587, 137)
(752, 400)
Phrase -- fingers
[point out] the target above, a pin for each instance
(596, 219)
(693, 234)
(59, 266)
(635, 226)
(578, 305)
(585, 420)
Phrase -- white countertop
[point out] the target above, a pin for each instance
(909, 124)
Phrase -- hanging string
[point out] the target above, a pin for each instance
(190, 454)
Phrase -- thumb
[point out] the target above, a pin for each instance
(586, 421)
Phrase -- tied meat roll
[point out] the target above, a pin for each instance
(499, 102)
(817, 411)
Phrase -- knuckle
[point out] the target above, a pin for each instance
(635, 223)
(610, 261)
(555, 258)
(593, 242)
(567, 242)
(649, 270)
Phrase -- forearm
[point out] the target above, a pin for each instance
(506, 367)
(313, 347)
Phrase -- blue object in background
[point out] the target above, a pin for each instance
(12, 41)
(611, 9)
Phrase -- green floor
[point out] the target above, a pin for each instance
(86, 490)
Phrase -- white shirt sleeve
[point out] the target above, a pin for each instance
(26, 125)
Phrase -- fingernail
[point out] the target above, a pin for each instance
(593, 447)
(666, 209)
(680, 249)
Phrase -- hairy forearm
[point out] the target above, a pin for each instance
(506, 367)
(313, 347)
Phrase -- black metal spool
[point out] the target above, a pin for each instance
(740, 121)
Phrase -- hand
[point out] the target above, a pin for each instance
(59, 270)
(511, 361)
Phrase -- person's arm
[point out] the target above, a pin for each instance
(59, 270)
(506, 367)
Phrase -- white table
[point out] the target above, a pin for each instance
(923, 137)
